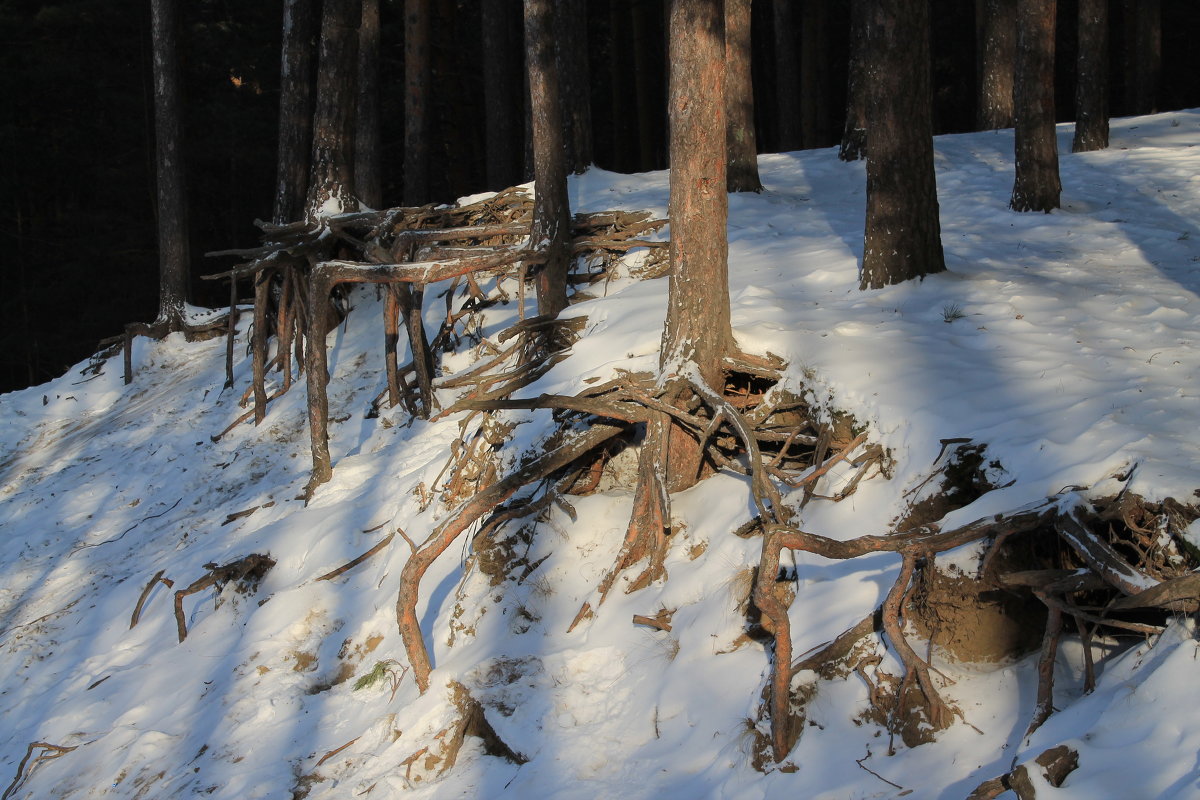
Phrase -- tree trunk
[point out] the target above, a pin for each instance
(417, 83)
(368, 171)
(296, 78)
(173, 257)
(903, 232)
(1037, 186)
(1091, 88)
(571, 45)
(1143, 55)
(787, 78)
(814, 74)
(997, 59)
(742, 175)
(551, 209)
(854, 136)
(502, 94)
(698, 331)
(331, 184)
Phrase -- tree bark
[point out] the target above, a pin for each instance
(368, 171)
(742, 149)
(854, 135)
(1143, 55)
(1037, 186)
(173, 256)
(417, 84)
(551, 209)
(698, 330)
(1091, 88)
(571, 46)
(787, 78)
(903, 231)
(331, 184)
(502, 94)
(997, 59)
(296, 78)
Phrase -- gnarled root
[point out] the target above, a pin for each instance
(555, 458)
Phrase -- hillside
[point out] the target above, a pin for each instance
(1062, 349)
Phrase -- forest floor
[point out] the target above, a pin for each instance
(1067, 343)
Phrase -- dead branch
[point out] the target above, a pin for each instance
(1056, 764)
(1101, 557)
(251, 567)
(137, 610)
(354, 562)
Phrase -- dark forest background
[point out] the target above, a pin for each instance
(78, 256)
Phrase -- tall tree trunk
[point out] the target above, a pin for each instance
(502, 94)
(296, 78)
(368, 172)
(551, 209)
(1143, 55)
(787, 77)
(997, 61)
(331, 185)
(417, 85)
(571, 45)
(698, 330)
(742, 150)
(173, 256)
(903, 232)
(854, 135)
(1037, 186)
(814, 74)
(1091, 88)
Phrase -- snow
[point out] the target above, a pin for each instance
(1069, 343)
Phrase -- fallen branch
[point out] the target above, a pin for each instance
(137, 610)
(253, 566)
(382, 543)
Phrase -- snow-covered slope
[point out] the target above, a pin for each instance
(1068, 342)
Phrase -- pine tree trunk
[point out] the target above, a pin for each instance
(698, 331)
(1037, 186)
(296, 79)
(854, 136)
(814, 74)
(997, 62)
(787, 78)
(903, 232)
(173, 257)
(1091, 88)
(571, 45)
(742, 175)
(331, 185)
(502, 94)
(368, 172)
(417, 83)
(551, 209)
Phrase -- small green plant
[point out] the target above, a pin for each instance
(390, 669)
(951, 312)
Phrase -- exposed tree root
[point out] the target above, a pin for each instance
(49, 752)
(558, 455)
